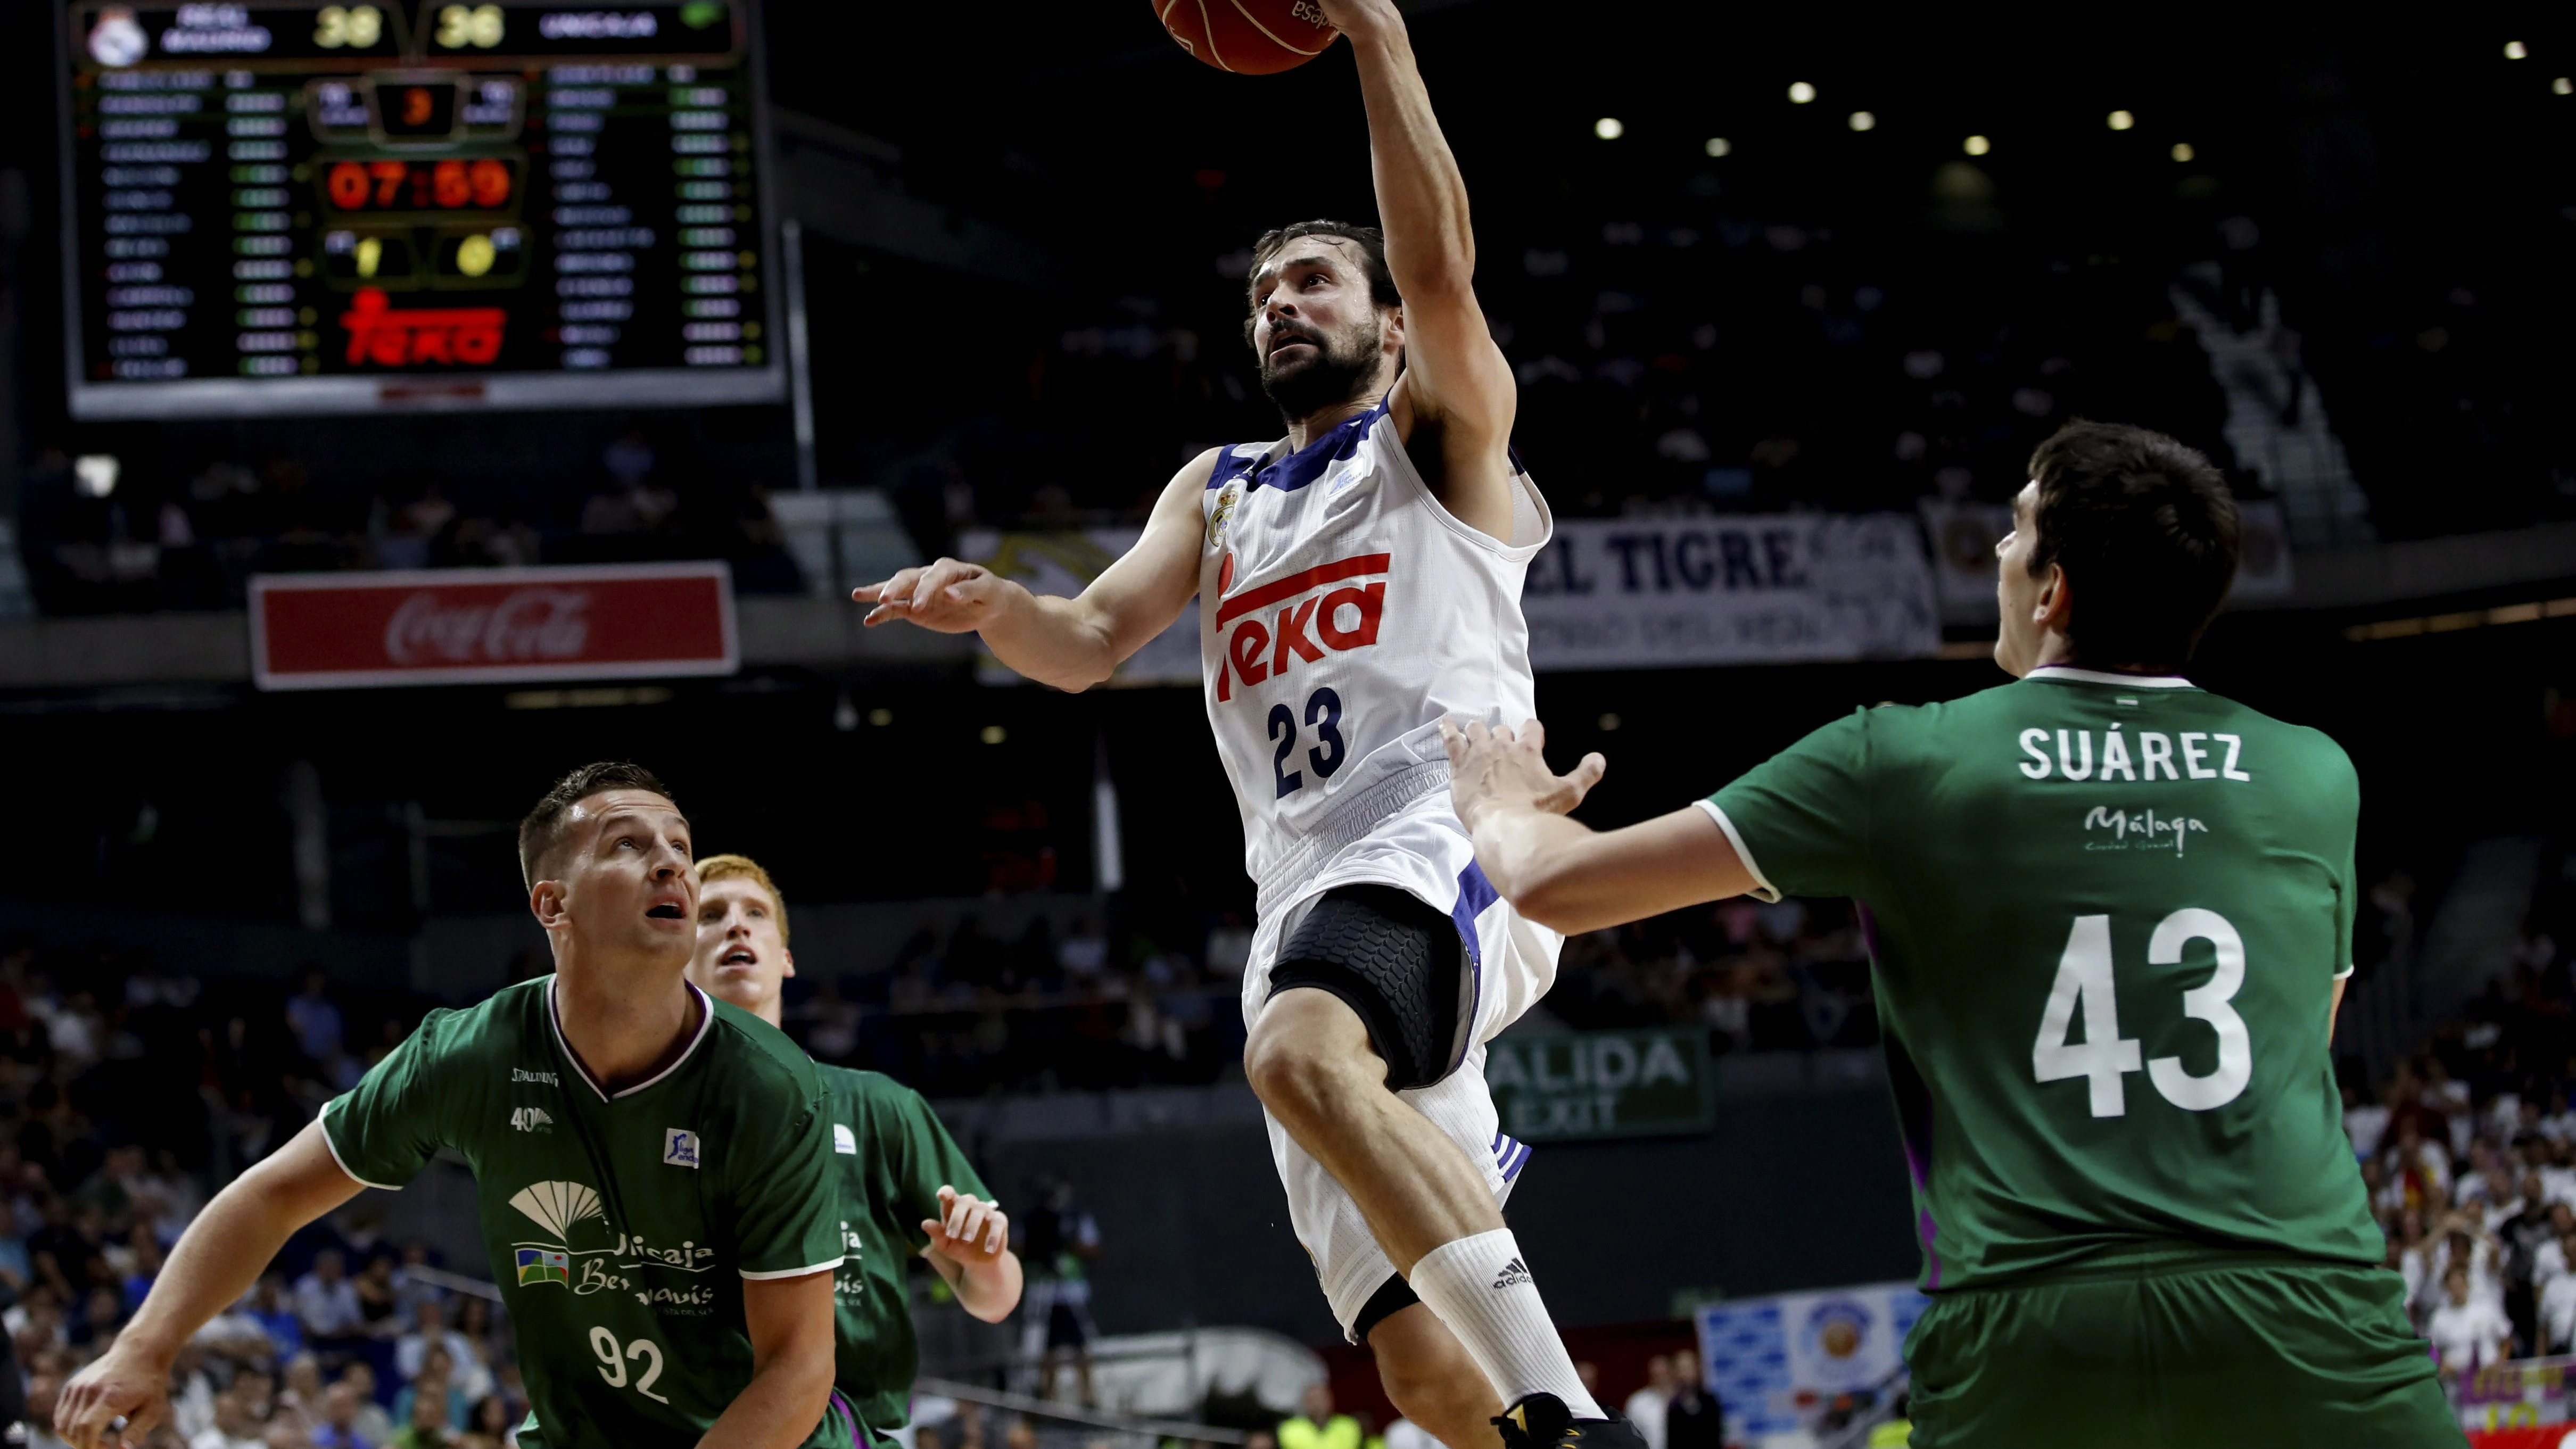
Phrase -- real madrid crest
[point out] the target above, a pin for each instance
(1223, 513)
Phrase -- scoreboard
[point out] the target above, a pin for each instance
(289, 208)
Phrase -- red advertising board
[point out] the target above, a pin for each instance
(495, 626)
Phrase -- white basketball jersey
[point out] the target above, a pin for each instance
(1343, 612)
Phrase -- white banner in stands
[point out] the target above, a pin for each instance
(1963, 538)
(1777, 1362)
(1616, 593)
(1762, 589)
(1065, 562)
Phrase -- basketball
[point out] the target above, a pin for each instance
(1248, 37)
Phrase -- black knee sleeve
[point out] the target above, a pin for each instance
(1394, 960)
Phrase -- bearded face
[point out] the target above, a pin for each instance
(1308, 369)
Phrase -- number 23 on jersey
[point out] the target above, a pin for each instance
(2104, 1058)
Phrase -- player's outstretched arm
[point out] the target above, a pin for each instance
(1564, 874)
(1069, 643)
(217, 1260)
(789, 1322)
(1455, 378)
(970, 1247)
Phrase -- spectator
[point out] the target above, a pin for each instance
(1057, 1243)
(270, 1309)
(192, 1393)
(436, 1384)
(429, 1332)
(315, 1020)
(372, 1423)
(327, 1302)
(145, 1268)
(411, 1289)
(489, 1426)
(236, 1423)
(1693, 1418)
(425, 1426)
(301, 1393)
(378, 1307)
(338, 1428)
(2467, 1332)
(1645, 1407)
(1316, 1426)
(43, 1390)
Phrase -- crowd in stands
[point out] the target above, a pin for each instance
(124, 1093)
(2468, 1151)
(968, 1013)
(190, 536)
(1707, 350)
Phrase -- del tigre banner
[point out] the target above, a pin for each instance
(1618, 593)
(1623, 594)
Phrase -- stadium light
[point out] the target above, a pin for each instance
(1718, 146)
(1608, 128)
(2182, 151)
(994, 734)
(2122, 120)
(2562, 86)
(1863, 120)
(1800, 93)
(1977, 146)
(95, 474)
(2513, 50)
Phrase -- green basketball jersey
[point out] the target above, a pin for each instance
(2106, 915)
(620, 1227)
(891, 1156)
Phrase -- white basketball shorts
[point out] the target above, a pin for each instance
(1424, 851)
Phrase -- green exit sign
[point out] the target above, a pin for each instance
(1570, 1086)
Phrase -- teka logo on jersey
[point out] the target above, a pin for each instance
(1299, 618)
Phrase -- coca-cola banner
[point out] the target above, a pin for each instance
(500, 626)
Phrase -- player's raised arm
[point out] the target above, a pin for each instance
(1069, 643)
(217, 1259)
(1455, 378)
(1560, 872)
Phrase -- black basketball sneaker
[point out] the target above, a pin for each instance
(1542, 1421)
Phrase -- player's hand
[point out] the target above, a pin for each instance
(969, 1231)
(1503, 769)
(122, 1383)
(949, 596)
(1360, 15)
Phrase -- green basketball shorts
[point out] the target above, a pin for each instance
(2264, 1352)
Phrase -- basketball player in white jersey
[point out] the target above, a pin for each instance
(1359, 581)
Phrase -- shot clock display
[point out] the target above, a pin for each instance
(277, 208)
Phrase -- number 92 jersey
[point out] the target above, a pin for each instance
(1343, 614)
(2106, 914)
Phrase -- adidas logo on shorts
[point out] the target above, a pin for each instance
(1513, 1275)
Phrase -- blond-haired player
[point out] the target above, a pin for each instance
(905, 1186)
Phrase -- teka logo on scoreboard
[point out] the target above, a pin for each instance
(1299, 618)
(499, 625)
(385, 337)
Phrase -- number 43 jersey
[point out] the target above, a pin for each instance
(2106, 914)
(1343, 613)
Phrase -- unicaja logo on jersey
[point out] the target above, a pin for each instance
(1271, 628)
(557, 1207)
